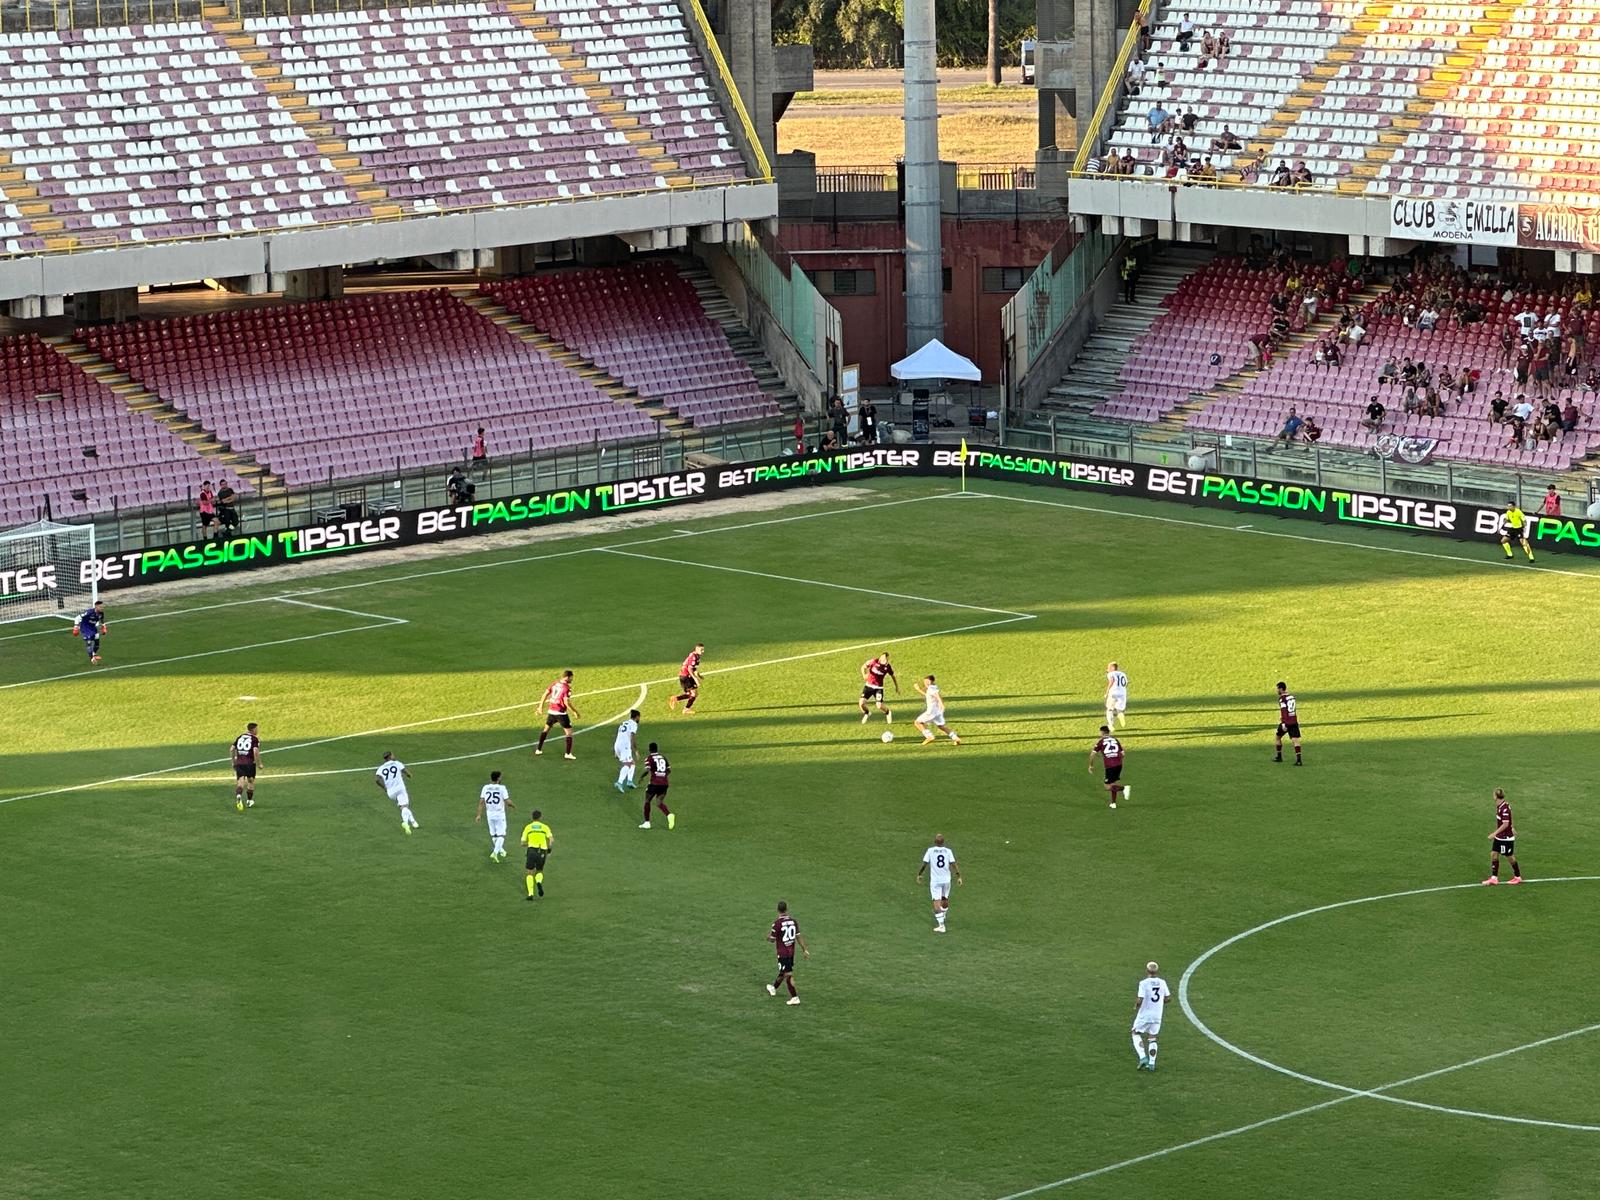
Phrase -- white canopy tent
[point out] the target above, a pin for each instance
(936, 361)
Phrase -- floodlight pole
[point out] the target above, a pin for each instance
(924, 260)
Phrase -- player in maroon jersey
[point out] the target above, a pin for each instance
(873, 672)
(558, 698)
(1288, 723)
(785, 936)
(1503, 840)
(1110, 752)
(688, 680)
(246, 758)
(659, 771)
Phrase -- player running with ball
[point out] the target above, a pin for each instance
(873, 672)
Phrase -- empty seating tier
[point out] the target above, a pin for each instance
(65, 433)
(645, 325)
(134, 134)
(356, 387)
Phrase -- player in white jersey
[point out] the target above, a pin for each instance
(391, 776)
(1152, 995)
(626, 748)
(1116, 696)
(932, 712)
(939, 860)
(493, 801)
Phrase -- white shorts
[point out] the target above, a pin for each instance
(931, 716)
(400, 798)
(1117, 702)
(497, 824)
(939, 889)
(624, 753)
(1150, 1026)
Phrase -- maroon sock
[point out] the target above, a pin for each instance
(662, 805)
(647, 810)
(689, 703)
(789, 979)
(542, 737)
(776, 983)
(569, 741)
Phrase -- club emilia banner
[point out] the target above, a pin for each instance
(1081, 476)
(1430, 219)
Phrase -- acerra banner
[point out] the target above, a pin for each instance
(1086, 476)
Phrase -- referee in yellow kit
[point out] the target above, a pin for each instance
(1515, 525)
(536, 836)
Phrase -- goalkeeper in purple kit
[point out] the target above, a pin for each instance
(90, 627)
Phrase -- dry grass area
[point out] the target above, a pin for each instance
(877, 138)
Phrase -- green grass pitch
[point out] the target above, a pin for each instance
(300, 1001)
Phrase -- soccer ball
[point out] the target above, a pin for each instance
(887, 736)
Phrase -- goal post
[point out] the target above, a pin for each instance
(39, 571)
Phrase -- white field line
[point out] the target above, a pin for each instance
(843, 587)
(155, 616)
(378, 621)
(1377, 1093)
(1294, 537)
(505, 708)
(1218, 1039)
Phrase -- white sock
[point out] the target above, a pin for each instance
(952, 734)
(407, 819)
(1138, 1045)
(629, 770)
(1152, 1049)
(500, 843)
(1111, 717)
(622, 775)
(939, 917)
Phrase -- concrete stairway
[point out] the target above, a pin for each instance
(720, 309)
(1093, 375)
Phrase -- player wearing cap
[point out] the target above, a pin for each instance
(1149, 999)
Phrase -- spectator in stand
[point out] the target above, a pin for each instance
(1516, 429)
(1208, 46)
(1355, 333)
(1281, 176)
(1130, 277)
(1389, 372)
(1136, 73)
(1569, 416)
(1552, 502)
(207, 507)
(1541, 369)
(1432, 405)
(1411, 400)
(1160, 122)
(1466, 382)
(1205, 174)
(1526, 322)
(1521, 410)
(1310, 432)
(480, 451)
(1291, 427)
(1250, 166)
(1375, 414)
(1301, 178)
(1142, 22)
(1522, 364)
(1591, 381)
(1508, 344)
(868, 416)
(1428, 319)
(1224, 46)
(227, 511)
(1188, 121)
(1497, 409)
(1571, 358)
(1185, 31)
(1225, 141)
(830, 441)
(458, 489)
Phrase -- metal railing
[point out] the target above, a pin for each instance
(986, 177)
(1112, 93)
(1044, 303)
(406, 488)
(1318, 466)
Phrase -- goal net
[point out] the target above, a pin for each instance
(39, 574)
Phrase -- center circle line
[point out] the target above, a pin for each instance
(1378, 1093)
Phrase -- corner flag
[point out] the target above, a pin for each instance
(963, 464)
